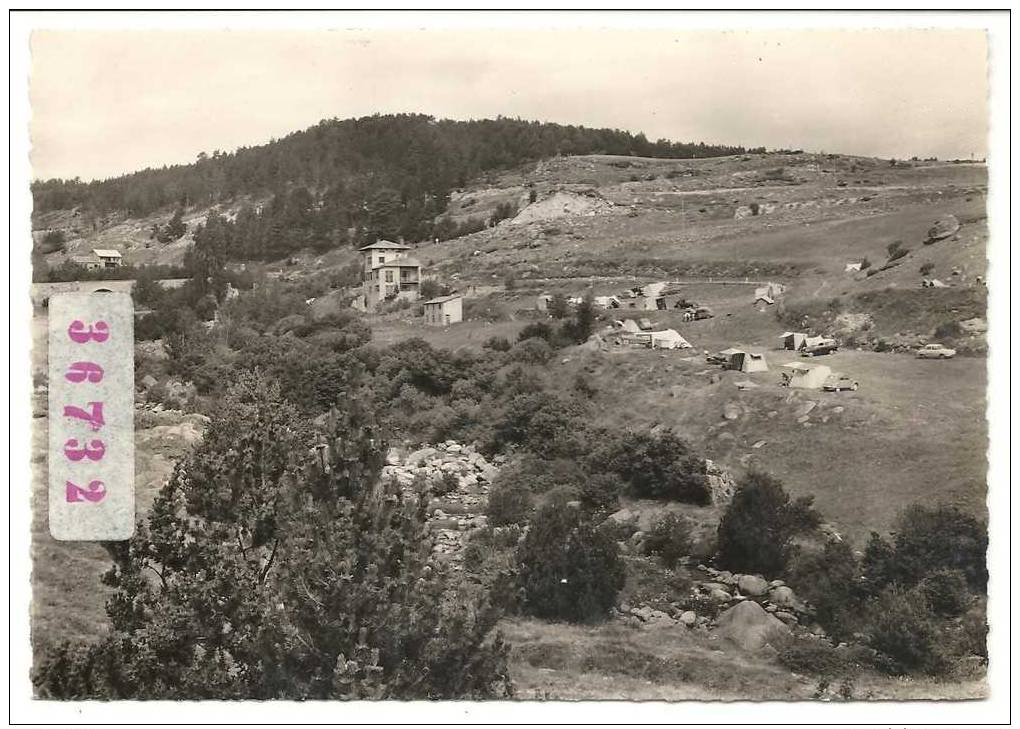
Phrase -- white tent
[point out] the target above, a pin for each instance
(793, 340)
(852, 266)
(669, 339)
(629, 325)
(806, 376)
(741, 361)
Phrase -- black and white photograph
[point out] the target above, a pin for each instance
(511, 358)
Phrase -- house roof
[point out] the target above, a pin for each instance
(106, 252)
(443, 299)
(402, 262)
(385, 245)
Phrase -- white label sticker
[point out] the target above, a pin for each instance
(91, 416)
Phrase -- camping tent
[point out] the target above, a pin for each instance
(668, 339)
(629, 325)
(793, 340)
(738, 359)
(852, 266)
(645, 324)
(806, 376)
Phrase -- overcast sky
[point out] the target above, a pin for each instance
(106, 103)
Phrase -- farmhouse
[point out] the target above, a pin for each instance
(805, 376)
(444, 310)
(98, 258)
(389, 273)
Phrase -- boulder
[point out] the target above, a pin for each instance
(943, 227)
(787, 618)
(731, 411)
(752, 585)
(720, 595)
(720, 483)
(749, 627)
(393, 457)
(783, 597)
(689, 618)
(420, 455)
(624, 516)
(148, 382)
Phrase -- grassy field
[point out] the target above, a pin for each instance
(557, 661)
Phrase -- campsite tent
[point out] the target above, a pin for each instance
(741, 361)
(852, 266)
(629, 325)
(806, 376)
(668, 339)
(645, 324)
(542, 302)
(793, 340)
(607, 302)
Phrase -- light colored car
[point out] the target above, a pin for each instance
(837, 383)
(935, 351)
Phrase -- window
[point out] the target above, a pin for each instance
(389, 276)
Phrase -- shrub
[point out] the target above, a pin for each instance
(758, 526)
(536, 330)
(567, 568)
(865, 264)
(497, 344)
(901, 627)
(509, 504)
(945, 591)
(533, 351)
(600, 493)
(669, 539)
(657, 466)
(948, 330)
(558, 307)
(828, 580)
(896, 250)
(926, 268)
(928, 539)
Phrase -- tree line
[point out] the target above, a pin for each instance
(352, 180)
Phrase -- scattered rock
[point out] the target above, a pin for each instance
(752, 585)
(688, 618)
(788, 618)
(783, 597)
(748, 626)
(731, 411)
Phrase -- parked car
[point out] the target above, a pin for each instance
(935, 351)
(838, 383)
(819, 349)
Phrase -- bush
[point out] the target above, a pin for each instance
(558, 307)
(497, 344)
(536, 330)
(828, 580)
(656, 466)
(902, 628)
(532, 351)
(509, 504)
(896, 250)
(926, 268)
(567, 568)
(928, 539)
(948, 330)
(669, 539)
(600, 493)
(945, 591)
(758, 526)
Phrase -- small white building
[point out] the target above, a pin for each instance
(108, 257)
(444, 310)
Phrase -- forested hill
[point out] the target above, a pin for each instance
(351, 180)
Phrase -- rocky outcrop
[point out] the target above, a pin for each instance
(458, 478)
(720, 483)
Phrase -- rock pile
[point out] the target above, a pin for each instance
(459, 477)
(646, 616)
(774, 597)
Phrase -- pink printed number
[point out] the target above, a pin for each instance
(81, 371)
(94, 451)
(94, 418)
(94, 492)
(98, 332)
